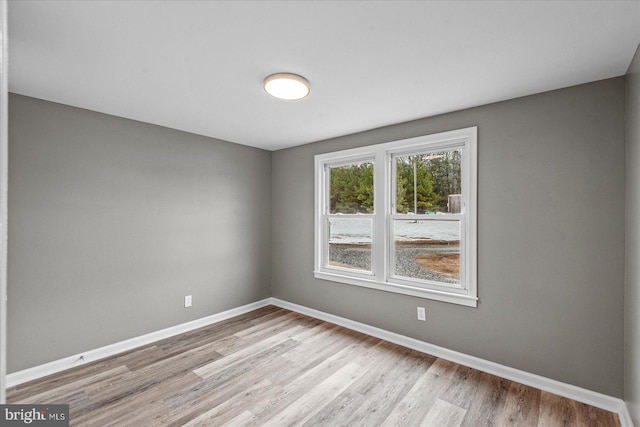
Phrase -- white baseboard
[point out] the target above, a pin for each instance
(599, 400)
(589, 397)
(40, 371)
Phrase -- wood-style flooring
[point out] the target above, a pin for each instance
(274, 367)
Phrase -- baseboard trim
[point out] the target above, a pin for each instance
(599, 400)
(59, 365)
(579, 394)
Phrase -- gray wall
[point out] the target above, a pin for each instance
(551, 238)
(114, 221)
(632, 254)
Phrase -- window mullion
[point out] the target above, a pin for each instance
(380, 233)
(390, 208)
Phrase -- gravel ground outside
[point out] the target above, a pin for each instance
(359, 256)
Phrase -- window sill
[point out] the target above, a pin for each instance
(415, 291)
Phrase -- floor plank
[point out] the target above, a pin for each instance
(275, 367)
(417, 403)
(488, 403)
(522, 406)
(444, 414)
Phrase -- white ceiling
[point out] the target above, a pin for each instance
(199, 66)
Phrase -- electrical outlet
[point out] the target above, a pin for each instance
(422, 315)
(187, 301)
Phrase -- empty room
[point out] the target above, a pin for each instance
(320, 213)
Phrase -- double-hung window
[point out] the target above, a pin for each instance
(401, 216)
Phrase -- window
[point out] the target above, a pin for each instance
(400, 216)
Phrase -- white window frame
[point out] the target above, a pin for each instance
(384, 213)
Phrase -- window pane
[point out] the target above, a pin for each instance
(427, 250)
(351, 189)
(350, 243)
(439, 181)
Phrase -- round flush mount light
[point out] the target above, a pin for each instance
(286, 86)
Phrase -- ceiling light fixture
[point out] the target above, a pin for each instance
(286, 86)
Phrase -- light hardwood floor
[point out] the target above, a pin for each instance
(274, 367)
